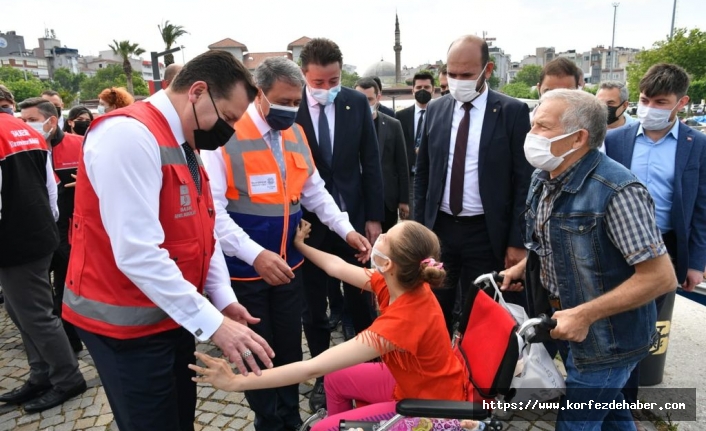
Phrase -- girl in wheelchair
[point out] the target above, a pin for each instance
(410, 336)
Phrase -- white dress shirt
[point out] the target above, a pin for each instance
(51, 188)
(315, 109)
(234, 241)
(472, 204)
(124, 167)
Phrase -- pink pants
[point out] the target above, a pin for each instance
(370, 383)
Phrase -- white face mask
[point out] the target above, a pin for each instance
(465, 90)
(373, 109)
(538, 151)
(39, 127)
(374, 264)
(325, 97)
(101, 109)
(654, 118)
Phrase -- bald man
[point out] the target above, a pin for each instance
(472, 177)
(171, 72)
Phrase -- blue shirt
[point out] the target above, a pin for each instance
(653, 164)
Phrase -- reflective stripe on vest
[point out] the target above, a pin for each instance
(117, 315)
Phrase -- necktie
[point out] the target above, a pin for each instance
(418, 135)
(325, 137)
(276, 148)
(458, 166)
(193, 165)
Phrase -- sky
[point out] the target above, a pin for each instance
(363, 29)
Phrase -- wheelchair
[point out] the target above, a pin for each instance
(485, 326)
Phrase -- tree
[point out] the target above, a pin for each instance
(349, 79)
(687, 50)
(593, 90)
(67, 84)
(170, 33)
(111, 76)
(125, 49)
(697, 91)
(517, 89)
(22, 90)
(529, 75)
(9, 74)
(493, 81)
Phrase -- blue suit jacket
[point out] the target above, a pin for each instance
(356, 168)
(503, 171)
(689, 198)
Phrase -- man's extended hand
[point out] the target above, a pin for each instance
(240, 314)
(514, 255)
(272, 268)
(70, 185)
(236, 339)
(373, 229)
(516, 272)
(571, 325)
(403, 210)
(360, 243)
(693, 277)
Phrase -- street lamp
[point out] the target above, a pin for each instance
(612, 44)
(674, 13)
(182, 55)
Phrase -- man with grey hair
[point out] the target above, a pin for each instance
(596, 257)
(260, 180)
(615, 95)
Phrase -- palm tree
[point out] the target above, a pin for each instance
(125, 49)
(170, 33)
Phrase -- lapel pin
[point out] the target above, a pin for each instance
(495, 110)
(348, 107)
(688, 138)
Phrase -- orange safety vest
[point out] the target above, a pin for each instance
(98, 297)
(259, 201)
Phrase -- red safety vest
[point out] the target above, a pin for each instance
(67, 154)
(98, 297)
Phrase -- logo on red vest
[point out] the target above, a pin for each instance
(185, 209)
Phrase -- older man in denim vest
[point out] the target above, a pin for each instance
(596, 257)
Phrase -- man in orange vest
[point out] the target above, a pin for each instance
(144, 251)
(260, 180)
(65, 150)
(28, 237)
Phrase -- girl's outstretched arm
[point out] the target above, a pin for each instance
(334, 266)
(219, 373)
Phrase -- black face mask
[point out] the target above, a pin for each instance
(80, 127)
(220, 133)
(613, 114)
(444, 93)
(422, 96)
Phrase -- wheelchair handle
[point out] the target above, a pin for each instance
(536, 330)
(486, 280)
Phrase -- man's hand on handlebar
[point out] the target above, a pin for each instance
(512, 276)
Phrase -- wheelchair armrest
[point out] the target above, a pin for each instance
(441, 409)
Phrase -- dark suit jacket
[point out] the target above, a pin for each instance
(406, 117)
(385, 110)
(503, 172)
(393, 157)
(356, 171)
(689, 198)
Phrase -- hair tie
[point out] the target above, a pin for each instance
(430, 261)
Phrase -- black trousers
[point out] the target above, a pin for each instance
(391, 219)
(358, 303)
(60, 265)
(466, 253)
(633, 383)
(279, 309)
(147, 379)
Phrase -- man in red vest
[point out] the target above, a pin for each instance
(144, 251)
(64, 153)
(28, 237)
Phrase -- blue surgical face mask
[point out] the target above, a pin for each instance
(280, 117)
(323, 96)
(101, 109)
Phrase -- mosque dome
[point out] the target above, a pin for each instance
(383, 70)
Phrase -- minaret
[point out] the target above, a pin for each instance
(398, 50)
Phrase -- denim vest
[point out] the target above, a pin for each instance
(588, 264)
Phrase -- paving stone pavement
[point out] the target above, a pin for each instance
(216, 410)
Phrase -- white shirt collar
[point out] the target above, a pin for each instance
(479, 102)
(160, 101)
(261, 124)
(417, 109)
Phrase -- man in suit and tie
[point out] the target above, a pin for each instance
(670, 159)
(393, 156)
(339, 128)
(382, 108)
(472, 177)
(412, 118)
